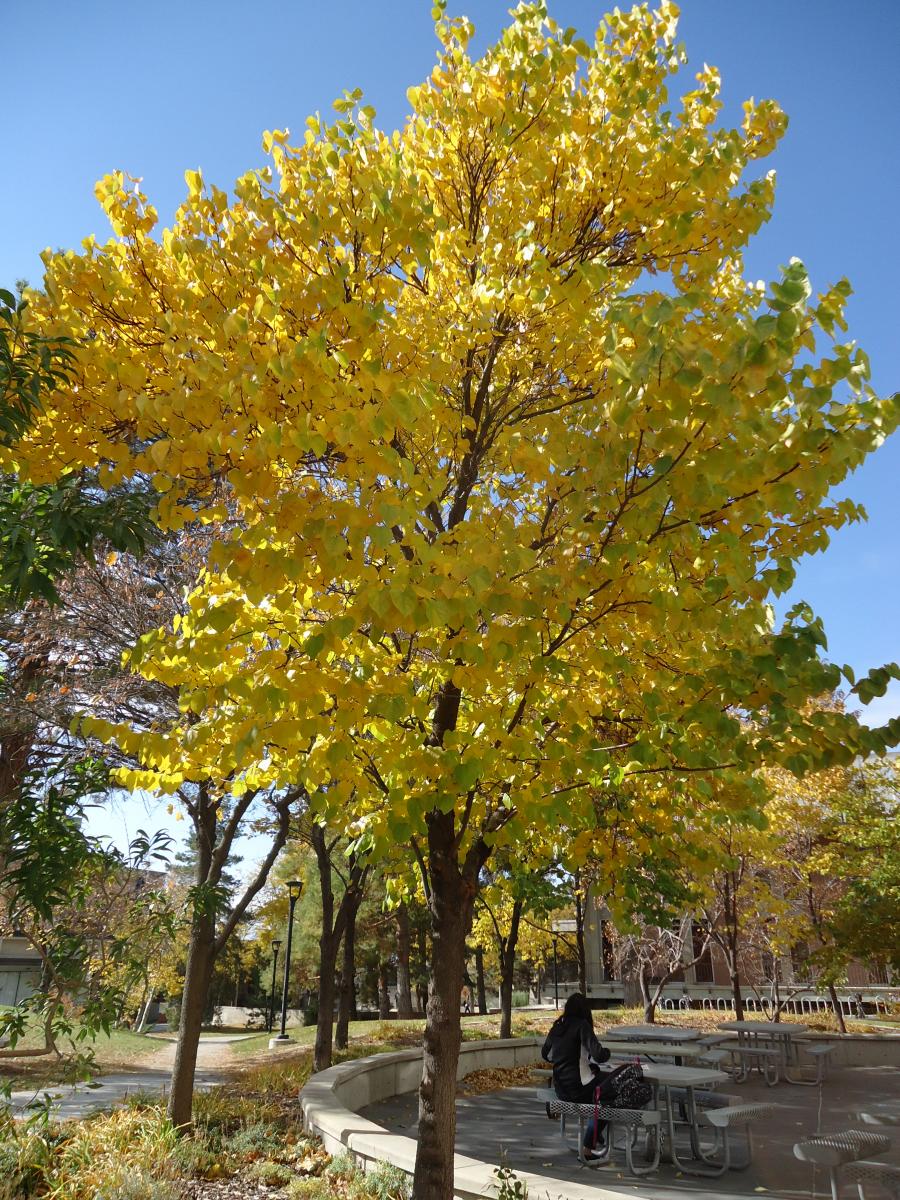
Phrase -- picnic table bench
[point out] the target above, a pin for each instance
(632, 1120)
(835, 1151)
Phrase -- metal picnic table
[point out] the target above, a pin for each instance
(663, 1077)
(652, 1033)
(676, 1087)
(781, 1035)
(657, 1049)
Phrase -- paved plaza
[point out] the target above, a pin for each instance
(512, 1125)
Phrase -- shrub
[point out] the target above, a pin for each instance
(342, 1166)
(257, 1138)
(315, 1187)
(387, 1182)
(132, 1183)
(272, 1174)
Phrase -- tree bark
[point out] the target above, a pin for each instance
(579, 939)
(404, 990)
(199, 967)
(334, 924)
(647, 999)
(140, 1020)
(328, 948)
(507, 968)
(422, 985)
(452, 892)
(479, 981)
(736, 993)
(836, 1006)
(197, 976)
(347, 997)
(384, 996)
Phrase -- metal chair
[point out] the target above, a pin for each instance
(884, 1176)
(721, 1120)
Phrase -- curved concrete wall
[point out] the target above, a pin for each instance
(860, 1049)
(329, 1100)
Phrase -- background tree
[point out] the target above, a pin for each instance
(836, 860)
(99, 625)
(510, 901)
(45, 857)
(46, 529)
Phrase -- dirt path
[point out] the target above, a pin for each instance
(214, 1052)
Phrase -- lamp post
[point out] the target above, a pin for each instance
(555, 972)
(295, 888)
(276, 946)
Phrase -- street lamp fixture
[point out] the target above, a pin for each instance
(295, 890)
(276, 946)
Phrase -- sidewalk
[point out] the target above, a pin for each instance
(72, 1101)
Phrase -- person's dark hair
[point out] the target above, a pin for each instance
(578, 1007)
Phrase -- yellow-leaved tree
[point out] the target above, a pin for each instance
(508, 454)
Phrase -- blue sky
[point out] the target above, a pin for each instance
(156, 89)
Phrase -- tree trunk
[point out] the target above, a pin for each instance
(384, 996)
(197, 976)
(421, 986)
(140, 1020)
(647, 999)
(333, 928)
(579, 940)
(451, 901)
(328, 949)
(479, 981)
(507, 969)
(836, 1005)
(736, 993)
(404, 991)
(506, 990)
(328, 952)
(347, 997)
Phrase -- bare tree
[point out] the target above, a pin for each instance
(656, 954)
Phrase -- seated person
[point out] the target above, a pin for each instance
(575, 1053)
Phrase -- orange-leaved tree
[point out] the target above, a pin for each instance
(516, 454)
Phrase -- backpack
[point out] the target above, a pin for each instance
(625, 1087)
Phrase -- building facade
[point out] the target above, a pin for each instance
(706, 984)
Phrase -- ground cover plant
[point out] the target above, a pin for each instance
(246, 1134)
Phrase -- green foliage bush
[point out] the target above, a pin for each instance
(272, 1174)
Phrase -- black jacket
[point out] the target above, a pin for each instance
(572, 1047)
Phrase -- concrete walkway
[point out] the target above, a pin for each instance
(81, 1099)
